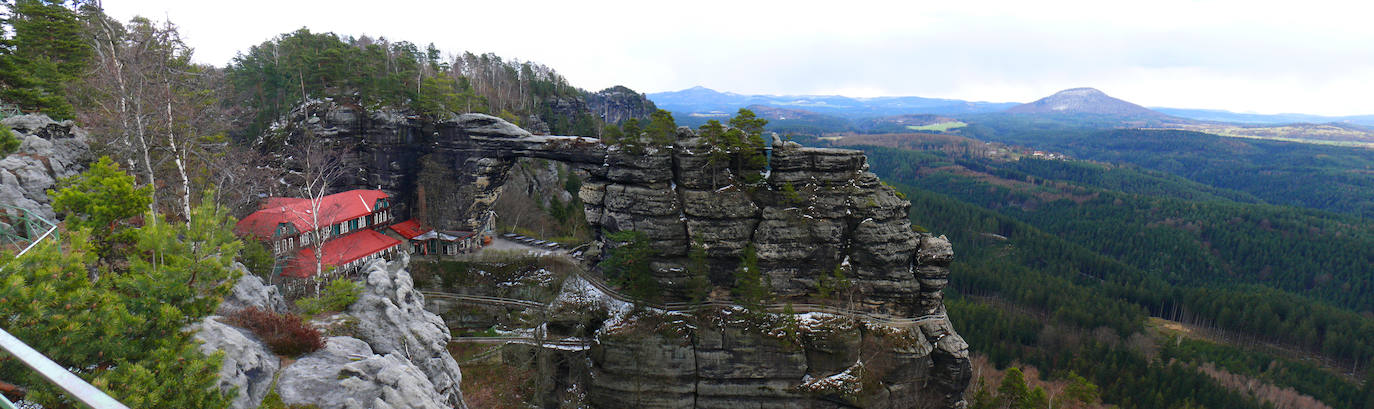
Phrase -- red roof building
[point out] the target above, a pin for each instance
(425, 240)
(277, 212)
(410, 229)
(344, 221)
(347, 252)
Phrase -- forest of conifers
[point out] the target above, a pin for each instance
(1263, 243)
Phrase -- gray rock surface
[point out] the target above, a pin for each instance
(250, 291)
(49, 150)
(248, 365)
(397, 360)
(346, 374)
(392, 319)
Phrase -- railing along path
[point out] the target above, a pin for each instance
(884, 319)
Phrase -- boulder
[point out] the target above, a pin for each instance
(248, 365)
(251, 292)
(346, 374)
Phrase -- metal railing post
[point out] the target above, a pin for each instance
(75, 386)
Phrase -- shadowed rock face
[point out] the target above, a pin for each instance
(816, 211)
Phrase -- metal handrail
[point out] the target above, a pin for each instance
(75, 386)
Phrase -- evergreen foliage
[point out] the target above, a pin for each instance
(662, 129)
(738, 148)
(1292, 275)
(751, 287)
(627, 263)
(699, 273)
(9, 142)
(44, 50)
(337, 296)
(102, 200)
(272, 77)
(123, 331)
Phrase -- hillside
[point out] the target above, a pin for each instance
(1084, 101)
(1129, 240)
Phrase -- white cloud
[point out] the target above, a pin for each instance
(1310, 56)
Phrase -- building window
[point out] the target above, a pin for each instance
(353, 225)
(336, 229)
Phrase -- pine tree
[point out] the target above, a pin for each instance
(713, 133)
(628, 264)
(662, 129)
(1013, 392)
(48, 49)
(632, 139)
(751, 289)
(125, 332)
(101, 200)
(611, 135)
(698, 271)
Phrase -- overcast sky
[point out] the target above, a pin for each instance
(1305, 56)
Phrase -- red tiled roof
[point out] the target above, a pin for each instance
(410, 229)
(334, 208)
(339, 251)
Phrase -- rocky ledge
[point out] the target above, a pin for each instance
(392, 355)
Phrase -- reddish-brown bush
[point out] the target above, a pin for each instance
(286, 334)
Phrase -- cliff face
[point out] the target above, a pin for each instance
(617, 104)
(816, 214)
(48, 151)
(819, 210)
(730, 357)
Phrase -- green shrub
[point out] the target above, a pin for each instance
(8, 141)
(257, 258)
(336, 297)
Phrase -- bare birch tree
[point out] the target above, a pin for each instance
(157, 108)
(319, 170)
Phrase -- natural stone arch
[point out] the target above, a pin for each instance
(848, 217)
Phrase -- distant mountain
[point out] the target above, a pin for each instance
(1085, 101)
(704, 102)
(1218, 115)
(787, 120)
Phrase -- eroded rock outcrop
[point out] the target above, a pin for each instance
(815, 214)
(49, 150)
(347, 373)
(617, 104)
(392, 320)
(396, 356)
(731, 357)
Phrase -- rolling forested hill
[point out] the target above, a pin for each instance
(1066, 264)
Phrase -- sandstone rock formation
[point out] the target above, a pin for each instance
(49, 150)
(347, 373)
(251, 292)
(392, 320)
(617, 104)
(396, 358)
(816, 212)
(248, 365)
